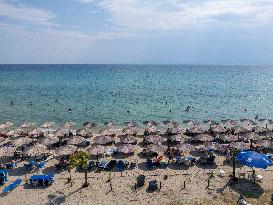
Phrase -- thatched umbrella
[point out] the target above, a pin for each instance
(210, 122)
(2, 139)
(239, 145)
(171, 123)
(217, 129)
(14, 133)
(48, 125)
(27, 125)
(154, 139)
(103, 140)
(239, 129)
(35, 150)
(156, 148)
(150, 123)
(130, 124)
(185, 147)
(21, 141)
(128, 139)
(203, 138)
(8, 151)
(229, 122)
(150, 130)
(76, 141)
(60, 132)
(251, 136)
(228, 138)
(248, 122)
(6, 125)
(173, 131)
(194, 131)
(126, 148)
(37, 132)
(107, 131)
(85, 132)
(267, 144)
(129, 131)
(89, 125)
(66, 150)
(96, 150)
(69, 125)
(189, 123)
(260, 129)
(50, 140)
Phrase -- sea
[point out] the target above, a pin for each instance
(120, 93)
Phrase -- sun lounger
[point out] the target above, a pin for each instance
(153, 186)
(30, 165)
(40, 165)
(12, 186)
(140, 181)
(111, 165)
(43, 180)
(3, 176)
(120, 165)
(11, 165)
(102, 164)
(91, 165)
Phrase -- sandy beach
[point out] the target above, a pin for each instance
(172, 190)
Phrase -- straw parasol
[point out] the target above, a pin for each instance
(267, 144)
(229, 122)
(6, 125)
(251, 136)
(27, 125)
(239, 145)
(76, 141)
(217, 129)
(9, 151)
(228, 138)
(60, 132)
(173, 131)
(66, 150)
(129, 131)
(2, 139)
(154, 139)
(176, 138)
(84, 132)
(239, 129)
(37, 132)
(126, 148)
(21, 141)
(150, 130)
(50, 140)
(129, 139)
(107, 131)
(203, 138)
(96, 150)
(37, 149)
(69, 125)
(185, 147)
(130, 124)
(47, 125)
(210, 122)
(103, 140)
(194, 131)
(150, 123)
(156, 148)
(189, 123)
(14, 133)
(171, 123)
(248, 122)
(260, 129)
(89, 125)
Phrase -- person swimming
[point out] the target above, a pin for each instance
(188, 109)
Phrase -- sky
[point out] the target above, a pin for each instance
(136, 31)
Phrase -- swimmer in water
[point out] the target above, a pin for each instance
(188, 109)
(69, 109)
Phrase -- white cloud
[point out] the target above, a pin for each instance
(26, 14)
(180, 14)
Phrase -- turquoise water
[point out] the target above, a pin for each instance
(106, 92)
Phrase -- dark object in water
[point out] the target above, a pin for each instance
(140, 181)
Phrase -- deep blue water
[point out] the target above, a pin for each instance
(106, 92)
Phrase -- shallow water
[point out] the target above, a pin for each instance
(106, 92)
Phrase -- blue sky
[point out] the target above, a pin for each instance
(137, 31)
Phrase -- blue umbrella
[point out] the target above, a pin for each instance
(253, 159)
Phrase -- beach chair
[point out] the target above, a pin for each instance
(30, 165)
(110, 166)
(12, 186)
(149, 164)
(102, 164)
(40, 165)
(41, 180)
(11, 165)
(153, 186)
(3, 176)
(120, 165)
(91, 165)
(132, 165)
(140, 181)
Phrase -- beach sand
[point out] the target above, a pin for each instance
(172, 191)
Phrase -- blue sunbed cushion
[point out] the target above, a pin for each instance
(12, 186)
(42, 177)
